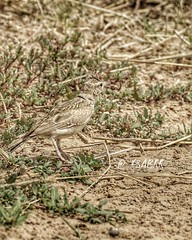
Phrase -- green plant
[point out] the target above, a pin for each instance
(93, 214)
(84, 164)
(147, 118)
(14, 215)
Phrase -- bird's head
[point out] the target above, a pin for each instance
(94, 86)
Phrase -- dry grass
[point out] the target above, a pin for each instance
(143, 51)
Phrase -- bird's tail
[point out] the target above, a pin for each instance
(26, 136)
(18, 142)
(22, 139)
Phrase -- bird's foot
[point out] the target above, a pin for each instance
(64, 158)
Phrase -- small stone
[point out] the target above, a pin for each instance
(113, 232)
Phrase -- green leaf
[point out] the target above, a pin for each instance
(102, 202)
(12, 178)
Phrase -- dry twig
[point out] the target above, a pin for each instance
(101, 177)
(104, 173)
(105, 10)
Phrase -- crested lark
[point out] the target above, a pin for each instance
(64, 120)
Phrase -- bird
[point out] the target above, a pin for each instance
(64, 120)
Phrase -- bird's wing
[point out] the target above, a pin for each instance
(75, 112)
(61, 116)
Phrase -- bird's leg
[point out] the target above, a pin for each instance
(61, 154)
(61, 151)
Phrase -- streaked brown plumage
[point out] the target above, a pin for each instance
(63, 121)
(68, 118)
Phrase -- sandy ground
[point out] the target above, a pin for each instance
(157, 208)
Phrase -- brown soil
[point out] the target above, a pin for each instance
(156, 208)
